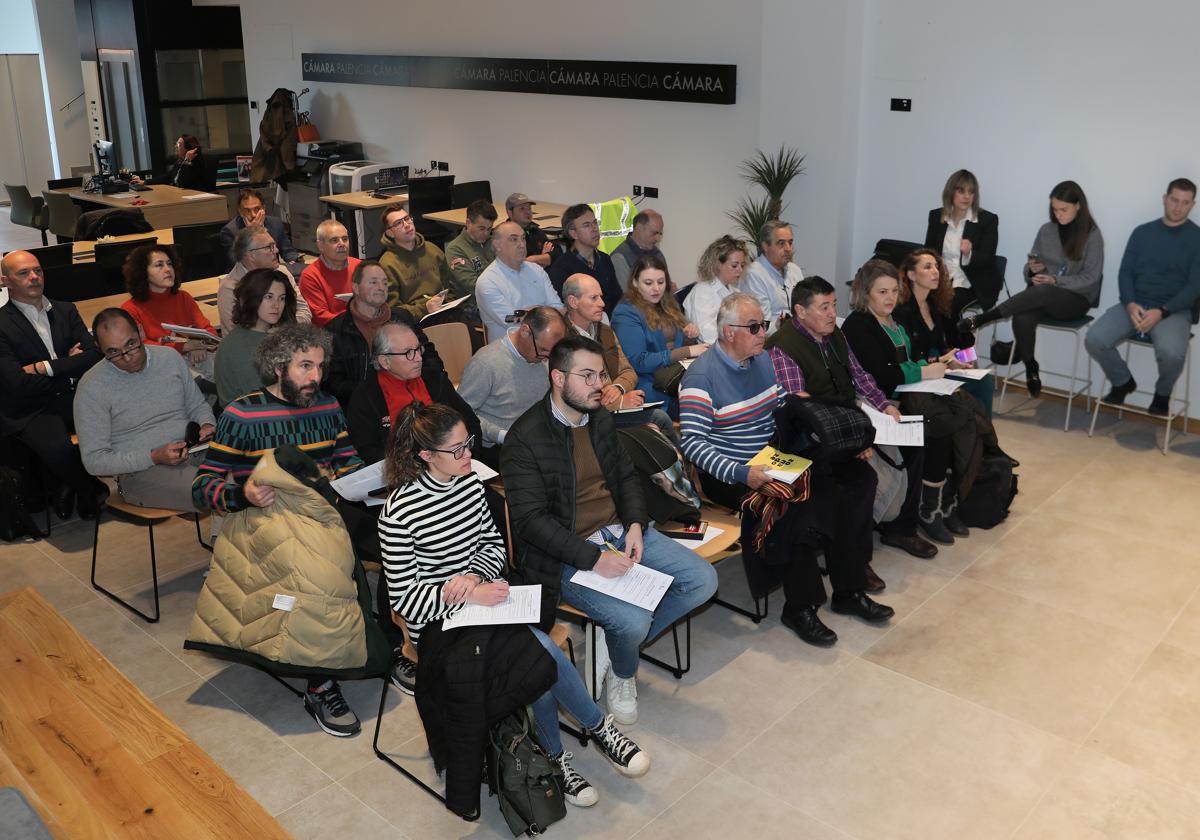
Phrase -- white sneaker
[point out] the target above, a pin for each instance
(622, 699)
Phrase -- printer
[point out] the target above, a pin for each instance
(310, 181)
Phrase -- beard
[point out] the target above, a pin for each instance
(297, 395)
(579, 401)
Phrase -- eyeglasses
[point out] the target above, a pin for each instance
(754, 326)
(591, 377)
(113, 354)
(538, 352)
(409, 354)
(271, 245)
(458, 451)
(406, 220)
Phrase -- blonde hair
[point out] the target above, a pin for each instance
(957, 180)
(864, 281)
(716, 254)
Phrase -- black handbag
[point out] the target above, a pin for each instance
(668, 377)
(821, 430)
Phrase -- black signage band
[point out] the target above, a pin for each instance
(714, 84)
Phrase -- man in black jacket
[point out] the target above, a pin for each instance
(44, 349)
(576, 505)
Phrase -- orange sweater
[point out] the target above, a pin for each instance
(179, 308)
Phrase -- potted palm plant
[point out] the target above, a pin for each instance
(773, 173)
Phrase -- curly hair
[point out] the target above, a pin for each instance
(417, 427)
(275, 352)
(716, 254)
(943, 295)
(250, 291)
(136, 269)
(667, 311)
(864, 280)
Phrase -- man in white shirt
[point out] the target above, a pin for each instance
(773, 275)
(511, 283)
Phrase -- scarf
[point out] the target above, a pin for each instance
(398, 393)
(368, 326)
(768, 508)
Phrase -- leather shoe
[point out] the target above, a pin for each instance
(63, 501)
(1118, 393)
(857, 603)
(806, 624)
(913, 544)
(874, 582)
(1160, 406)
(92, 502)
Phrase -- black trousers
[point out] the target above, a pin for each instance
(48, 435)
(905, 523)
(1028, 307)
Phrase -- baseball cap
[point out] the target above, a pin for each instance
(515, 199)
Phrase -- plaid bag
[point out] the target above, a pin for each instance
(821, 430)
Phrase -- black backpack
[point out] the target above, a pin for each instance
(15, 521)
(522, 776)
(670, 497)
(986, 506)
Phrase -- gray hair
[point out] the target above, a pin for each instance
(324, 227)
(275, 352)
(572, 287)
(241, 243)
(767, 233)
(381, 344)
(728, 313)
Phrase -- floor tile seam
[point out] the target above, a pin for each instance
(164, 576)
(403, 832)
(668, 806)
(349, 793)
(1158, 779)
(1058, 777)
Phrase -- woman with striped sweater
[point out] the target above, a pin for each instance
(441, 549)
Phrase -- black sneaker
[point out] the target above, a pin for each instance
(576, 789)
(625, 755)
(331, 711)
(1119, 392)
(1160, 406)
(404, 673)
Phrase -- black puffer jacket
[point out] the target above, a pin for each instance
(467, 680)
(538, 467)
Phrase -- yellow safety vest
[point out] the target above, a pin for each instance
(616, 221)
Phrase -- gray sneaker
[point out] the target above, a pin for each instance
(404, 673)
(331, 711)
(575, 788)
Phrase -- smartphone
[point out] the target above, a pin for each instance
(192, 435)
(966, 355)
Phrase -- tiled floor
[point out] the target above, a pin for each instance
(1040, 680)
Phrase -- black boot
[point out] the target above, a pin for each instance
(930, 513)
(950, 512)
(1033, 382)
(1117, 395)
(971, 323)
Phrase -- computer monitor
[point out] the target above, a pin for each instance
(105, 165)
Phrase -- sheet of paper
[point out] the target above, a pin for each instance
(482, 470)
(358, 485)
(687, 363)
(344, 296)
(522, 606)
(945, 387)
(126, 194)
(642, 407)
(970, 373)
(447, 306)
(709, 535)
(910, 431)
(640, 586)
(190, 332)
(197, 195)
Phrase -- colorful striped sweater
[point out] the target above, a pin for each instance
(259, 422)
(726, 412)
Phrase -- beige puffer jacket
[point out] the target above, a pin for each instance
(296, 548)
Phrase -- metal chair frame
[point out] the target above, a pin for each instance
(1076, 328)
(1175, 407)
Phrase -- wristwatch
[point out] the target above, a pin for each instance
(1166, 313)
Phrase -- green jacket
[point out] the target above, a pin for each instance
(414, 276)
(467, 260)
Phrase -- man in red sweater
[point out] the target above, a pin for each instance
(330, 274)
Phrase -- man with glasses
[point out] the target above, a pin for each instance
(511, 284)
(253, 211)
(727, 402)
(419, 278)
(507, 376)
(253, 248)
(329, 275)
(584, 256)
(44, 349)
(575, 503)
(132, 413)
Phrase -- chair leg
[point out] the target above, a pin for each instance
(199, 536)
(153, 574)
(395, 765)
(680, 667)
(1071, 390)
(756, 616)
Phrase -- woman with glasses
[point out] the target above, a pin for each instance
(153, 275)
(403, 375)
(719, 274)
(441, 549)
(263, 301)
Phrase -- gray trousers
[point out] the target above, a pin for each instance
(162, 486)
(1170, 339)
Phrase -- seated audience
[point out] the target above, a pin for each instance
(44, 349)
(441, 549)
(727, 405)
(264, 301)
(189, 170)
(252, 210)
(926, 297)
(254, 248)
(508, 376)
(538, 247)
(719, 274)
(132, 413)
(329, 274)
(419, 277)
(642, 241)
(153, 274)
(652, 328)
(966, 237)
(1062, 278)
(812, 358)
(511, 284)
(584, 256)
(290, 409)
(471, 251)
(575, 503)
(1160, 286)
(402, 377)
(772, 276)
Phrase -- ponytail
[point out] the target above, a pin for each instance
(416, 427)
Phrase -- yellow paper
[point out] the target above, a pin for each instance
(780, 464)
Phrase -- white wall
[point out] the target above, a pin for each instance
(63, 76)
(19, 34)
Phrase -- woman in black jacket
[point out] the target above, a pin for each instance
(966, 237)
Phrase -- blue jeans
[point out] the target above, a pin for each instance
(1170, 339)
(569, 691)
(627, 627)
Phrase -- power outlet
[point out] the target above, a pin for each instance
(651, 192)
(637, 190)
(901, 104)
(443, 166)
(433, 166)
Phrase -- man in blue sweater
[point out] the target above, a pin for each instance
(1159, 283)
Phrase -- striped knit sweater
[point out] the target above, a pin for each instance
(259, 422)
(726, 412)
(429, 532)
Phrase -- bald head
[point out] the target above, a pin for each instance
(23, 276)
(647, 229)
(584, 299)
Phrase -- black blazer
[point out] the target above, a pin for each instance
(23, 395)
(984, 236)
(927, 342)
(874, 350)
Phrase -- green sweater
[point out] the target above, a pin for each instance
(467, 260)
(234, 367)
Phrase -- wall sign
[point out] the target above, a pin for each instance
(714, 84)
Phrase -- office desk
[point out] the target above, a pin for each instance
(204, 291)
(363, 200)
(84, 250)
(166, 206)
(547, 214)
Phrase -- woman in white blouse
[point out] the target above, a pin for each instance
(720, 273)
(966, 237)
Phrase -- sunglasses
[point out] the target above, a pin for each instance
(754, 326)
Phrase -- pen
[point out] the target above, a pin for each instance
(613, 548)
(907, 422)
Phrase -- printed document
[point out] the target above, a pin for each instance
(910, 431)
(641, 586)
(522, 606)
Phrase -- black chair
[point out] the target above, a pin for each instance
(63, 214)
(894, 250)
(463, 194)
(430, 195)
(682, 293)
(221, 257)
(110, 258)
(59, 183)
(81, 281)
(28, 211)
(53, 256)
(192, 242)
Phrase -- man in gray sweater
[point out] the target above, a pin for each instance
(132, 412)
(506, 377)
